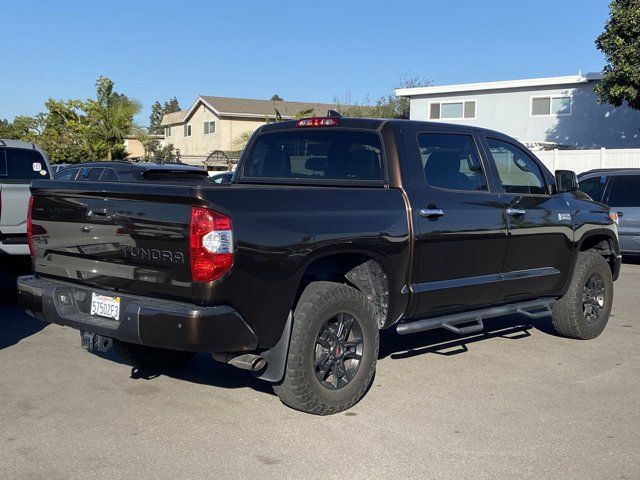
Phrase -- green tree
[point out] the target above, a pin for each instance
(111, 115)
(620, 43)
(276, 98)
(158, 111)
(6, 128)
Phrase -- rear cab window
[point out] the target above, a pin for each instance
(299, 156)
(22, 165)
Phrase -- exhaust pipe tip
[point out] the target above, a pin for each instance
(244, 361)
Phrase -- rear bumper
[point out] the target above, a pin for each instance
(143, 320)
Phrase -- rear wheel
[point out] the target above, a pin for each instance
(584, 311)
(151, 358)
(333, 350)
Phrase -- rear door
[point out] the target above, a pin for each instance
(624, 198)
(540, 243)
(460, 231)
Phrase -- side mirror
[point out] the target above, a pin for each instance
(566, 181)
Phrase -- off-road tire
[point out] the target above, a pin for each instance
(300, 388)
(150, 358)
(568, 316)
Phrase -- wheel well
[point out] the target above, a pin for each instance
(602, 245)
(357, 270)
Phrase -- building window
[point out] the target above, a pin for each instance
(452, 110)
(167, 131)
(187, 130)
(541, 106)
(209, 127)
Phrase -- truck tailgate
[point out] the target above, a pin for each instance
(123, 237)
(13, 211)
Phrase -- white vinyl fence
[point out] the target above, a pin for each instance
(582, 160)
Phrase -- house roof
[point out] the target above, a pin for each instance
(248, 107)
(500, 85)
(173, 118)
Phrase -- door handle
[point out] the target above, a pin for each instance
(431, 212)
(515, 212)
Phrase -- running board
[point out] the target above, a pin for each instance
(532, 309)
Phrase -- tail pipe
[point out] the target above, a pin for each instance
(245, 361)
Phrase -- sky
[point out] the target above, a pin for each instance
(301, 50)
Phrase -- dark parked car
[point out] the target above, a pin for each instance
(124, 171)
(620, 189)
(331, 230)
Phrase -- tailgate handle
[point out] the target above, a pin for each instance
(100, 213)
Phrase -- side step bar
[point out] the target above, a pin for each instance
(532, 309)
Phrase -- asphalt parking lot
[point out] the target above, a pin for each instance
(514, 402)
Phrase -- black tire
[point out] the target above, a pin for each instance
(581, 313)
(321, 305)
(150, 358)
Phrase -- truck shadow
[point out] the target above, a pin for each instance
(15, 325)
(443, 342)
(202, 369)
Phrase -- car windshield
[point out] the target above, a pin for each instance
(316, 155)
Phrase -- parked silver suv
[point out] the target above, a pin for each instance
(20, 162)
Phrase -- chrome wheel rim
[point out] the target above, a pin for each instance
(593, 298)
(338, 351)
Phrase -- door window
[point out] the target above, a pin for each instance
(109, 175)
(451, 161)
(90, 174)
(66, 174)
(594, 187)
(518, 172)
(625, 191)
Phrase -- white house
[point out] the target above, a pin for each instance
(554, 111)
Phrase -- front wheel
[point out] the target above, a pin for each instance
(333, 350)
(584, 310)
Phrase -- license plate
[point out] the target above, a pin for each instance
(105, 306)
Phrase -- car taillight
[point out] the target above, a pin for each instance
(30, 226)
(211, 244)
(318, 122)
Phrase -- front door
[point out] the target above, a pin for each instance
(540, 243)
(460, 231)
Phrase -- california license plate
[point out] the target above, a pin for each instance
(105, 306)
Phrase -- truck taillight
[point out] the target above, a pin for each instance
(30, 226)
(211, 244)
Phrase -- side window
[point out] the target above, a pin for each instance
(90, 174)
(24, 164)
(451, 161)
(109, 175)
(66, 174)
(518, 172)
(625, 191)
(3, 163)
(594, 187)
